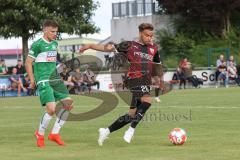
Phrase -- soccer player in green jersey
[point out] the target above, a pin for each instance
(41, 68)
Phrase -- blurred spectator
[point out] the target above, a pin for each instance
(19, 67)
(232, 70)
(60, 66)
(90, 78)
(79, 81)
(26, 84)
(186, 68)
(66, 78)
(231, 60)
(220, 63)
(180, 76)
(26, 81)
(3, 67)
(221, 72)
(16, 82)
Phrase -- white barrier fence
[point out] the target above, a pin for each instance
(113, 82)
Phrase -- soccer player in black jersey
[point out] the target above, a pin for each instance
(141, 54)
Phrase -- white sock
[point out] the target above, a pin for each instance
(131, 129)
(61, 119)
(44, 123)
(107, 130)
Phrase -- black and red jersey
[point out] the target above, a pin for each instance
(140, 56)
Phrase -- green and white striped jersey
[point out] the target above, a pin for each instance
(45, 55)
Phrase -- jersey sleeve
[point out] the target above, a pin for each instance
(157, 58)
(33, 52)
(123, 46)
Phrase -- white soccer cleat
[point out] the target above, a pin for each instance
(157, 99)
(103, 135)
(129, 134)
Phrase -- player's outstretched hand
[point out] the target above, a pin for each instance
(84, 47)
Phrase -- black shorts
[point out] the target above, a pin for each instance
(139, 87)
(136, 96)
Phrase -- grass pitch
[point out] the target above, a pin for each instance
(209, 116)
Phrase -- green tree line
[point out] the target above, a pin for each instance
(23, 18)
(197, 27)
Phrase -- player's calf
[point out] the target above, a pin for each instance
(62, 116)
(67, 103)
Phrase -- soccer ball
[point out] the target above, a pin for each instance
(177, 136)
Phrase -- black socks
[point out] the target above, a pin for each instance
(140, 113)
(120, 122)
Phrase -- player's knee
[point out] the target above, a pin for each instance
(67, 104)
(132, 112)
(50, 111)
(69, 108)
(51, 108)
(132, 115)
(146, 99)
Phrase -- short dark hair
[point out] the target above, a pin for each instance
(50, 23)
(144, 26)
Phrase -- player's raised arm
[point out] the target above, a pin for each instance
(98, 47)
